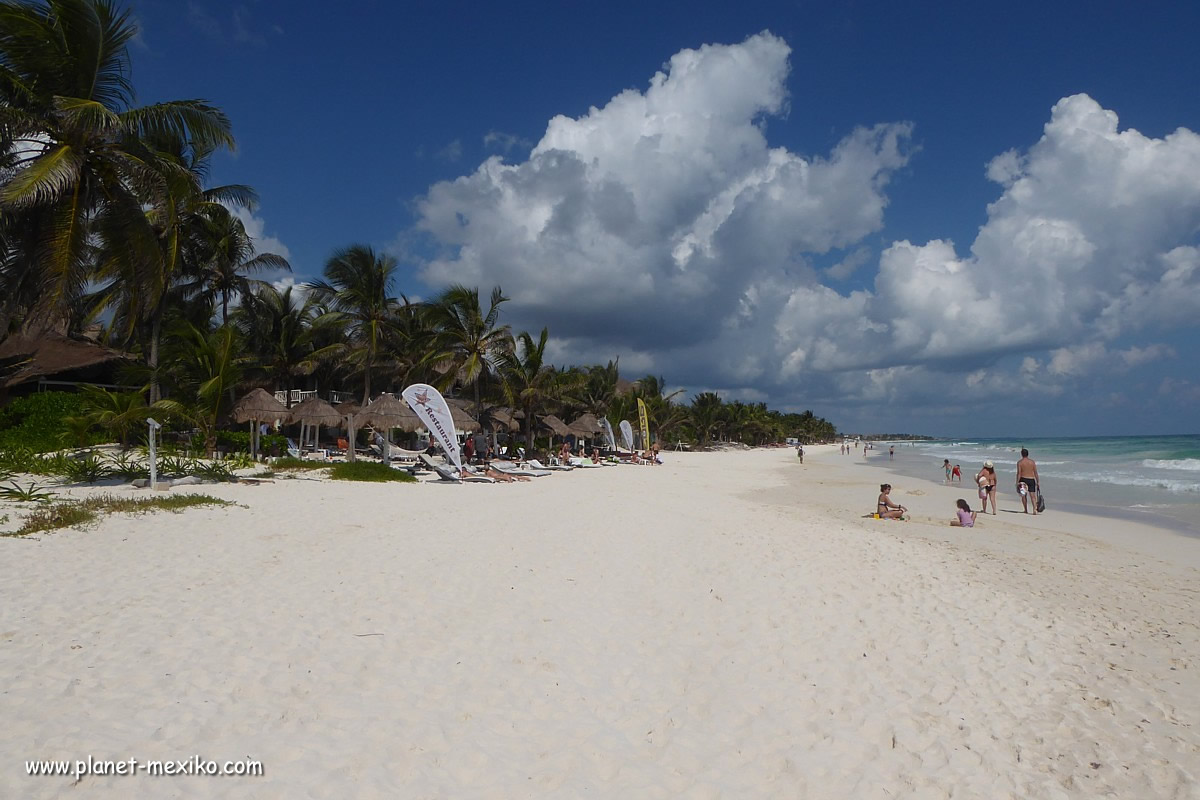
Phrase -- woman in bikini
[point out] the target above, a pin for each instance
(885, 507)
(986, 479)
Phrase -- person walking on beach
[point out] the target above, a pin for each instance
(891, 452)
(800, 453)
(946, 466)
(986, 479)
(1027, 482)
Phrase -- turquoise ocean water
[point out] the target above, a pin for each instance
(1152, 478)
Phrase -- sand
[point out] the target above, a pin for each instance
(726, 625)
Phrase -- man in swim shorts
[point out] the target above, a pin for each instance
(1027, 481)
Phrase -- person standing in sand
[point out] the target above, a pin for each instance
(986, 479)
(946, 466)
(1027, 481)
(956, 473)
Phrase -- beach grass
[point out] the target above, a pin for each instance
(367, 471)
(73, 514)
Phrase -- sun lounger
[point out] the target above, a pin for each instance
(583, 462)
(510, 468)
(446, 473)
(533, 462)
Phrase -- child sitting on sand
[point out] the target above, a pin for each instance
(966, 517)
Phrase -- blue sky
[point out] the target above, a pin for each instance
(742, 226)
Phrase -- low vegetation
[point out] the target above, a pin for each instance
(76, 513)
(367, 471)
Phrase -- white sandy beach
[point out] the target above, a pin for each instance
(727, 625)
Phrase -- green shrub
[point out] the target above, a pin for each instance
(37, 421)
(239, 442)
(368, 471)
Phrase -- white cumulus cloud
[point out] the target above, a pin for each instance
(663, 227)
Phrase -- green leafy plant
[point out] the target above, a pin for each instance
(171, 467)
(368, 471)
(88, 469)
(35, 422)
(33, 493)
(213, 471)
(128, 467)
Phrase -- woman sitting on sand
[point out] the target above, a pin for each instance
(965, 516)
(885, 507)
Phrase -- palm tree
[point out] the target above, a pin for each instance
(705, 413)
(529, 382)
(357, 290)
(282, 334)
(227, 257)
(469, 341)
(78, 150)
(205, 366)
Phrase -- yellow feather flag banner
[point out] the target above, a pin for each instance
(644, 419)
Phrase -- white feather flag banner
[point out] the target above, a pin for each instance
(429, 405)
(608, 433)
(627, 434)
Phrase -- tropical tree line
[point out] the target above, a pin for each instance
(109, 228)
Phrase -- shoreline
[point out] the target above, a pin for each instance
(1149, 517)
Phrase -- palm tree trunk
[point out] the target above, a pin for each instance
(224, 306)
(155, 335)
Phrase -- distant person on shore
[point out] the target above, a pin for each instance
(986, 480)
(891, 452)
(800, 453)
(885, 507)
(1027, 481)
(946, 467)
(956, 473)
(965, 516)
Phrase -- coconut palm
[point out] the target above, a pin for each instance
(357, 291)
(469, 341)
(227, 257)
(78, 149)
(705, 413)
(529, 383)
(281, 332)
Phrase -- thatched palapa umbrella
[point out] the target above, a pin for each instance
(314, 411)
(258, 406)
(387, 412)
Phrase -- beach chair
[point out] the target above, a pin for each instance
(292, 449)
(587, 463)
(446, 473)
(510, 468)
(533, 462)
